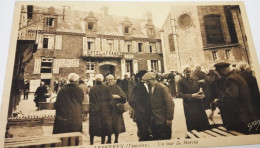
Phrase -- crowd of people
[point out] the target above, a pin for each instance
(150, 95)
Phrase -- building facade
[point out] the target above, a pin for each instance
(88, 43)
(203, 35)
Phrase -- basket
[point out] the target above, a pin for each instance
(85, 107)
(47, 105)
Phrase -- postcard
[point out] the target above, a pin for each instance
(130, 75)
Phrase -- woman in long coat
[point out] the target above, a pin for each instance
(119, 97)
(100, 118)
(40, 95)
(68, 107)
(196, 118)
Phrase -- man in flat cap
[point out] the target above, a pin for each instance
(235, 101)
(162, 108)
(69, 107)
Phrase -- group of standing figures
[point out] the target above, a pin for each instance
(234, 92)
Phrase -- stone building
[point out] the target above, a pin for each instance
(88, 43)
(203, 35)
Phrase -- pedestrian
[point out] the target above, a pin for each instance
(39, 95)
(85, 102)
(69, 107)
(171, 83)
(140, 103)
(235, 101)
(56, 86)
(124, 84)
(196, 118)
(131, 84)
(117, 110)
(26, 89)
(100, 117)
(162, 108)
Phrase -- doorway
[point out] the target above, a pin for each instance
(107, 69)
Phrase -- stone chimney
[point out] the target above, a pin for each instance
(104, 11)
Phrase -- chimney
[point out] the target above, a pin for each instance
(104, 11)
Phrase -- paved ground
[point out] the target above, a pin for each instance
(27, 107)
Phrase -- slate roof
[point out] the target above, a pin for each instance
(106, 24)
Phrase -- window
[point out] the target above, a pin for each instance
(110, 45)
(171, 43)
(152, 47)
(140, 47)
(129, 66)
(154, 65)
(90, 66)
(45, 42)
(90, 43)
(29, 11)
(127, 29)
(46, 66)
(128, 48)
(214, 34)
(215, 55)
(50, 22)
(227, 52)
(90, 25)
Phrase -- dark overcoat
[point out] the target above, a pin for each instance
(117, 117)
(100, 117)
(196, 118)
(68, 110)
(236, 104)
(40, 95)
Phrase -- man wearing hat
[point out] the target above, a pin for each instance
(69, 107)
(235, 100)
(162, 108)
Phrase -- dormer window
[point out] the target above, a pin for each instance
(50, 22)
(150, 31)
(91, 22)
(90, 25)
(127, 29)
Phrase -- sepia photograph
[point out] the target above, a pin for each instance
(130, 75)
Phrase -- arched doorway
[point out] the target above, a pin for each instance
(107, 69)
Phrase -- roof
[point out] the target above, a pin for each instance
(106, 24)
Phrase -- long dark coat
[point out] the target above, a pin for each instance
(140, 102)
(117, 117)
(100, 117)
(236, 104)
(39, 95)
(68, 110)
(196, 118)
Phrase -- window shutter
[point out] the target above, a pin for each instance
(116, 45)
(58, 42)
(104, 45)
(159, 66)
(97, 43)
(37, 66)
(149, 65)
(51, 42)
(85, 45)
(134, 47)
(55, 66)
(158, 47)
(39, 41)
(123, 68)
(121, 48)
(146, 47)
(135, 66)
